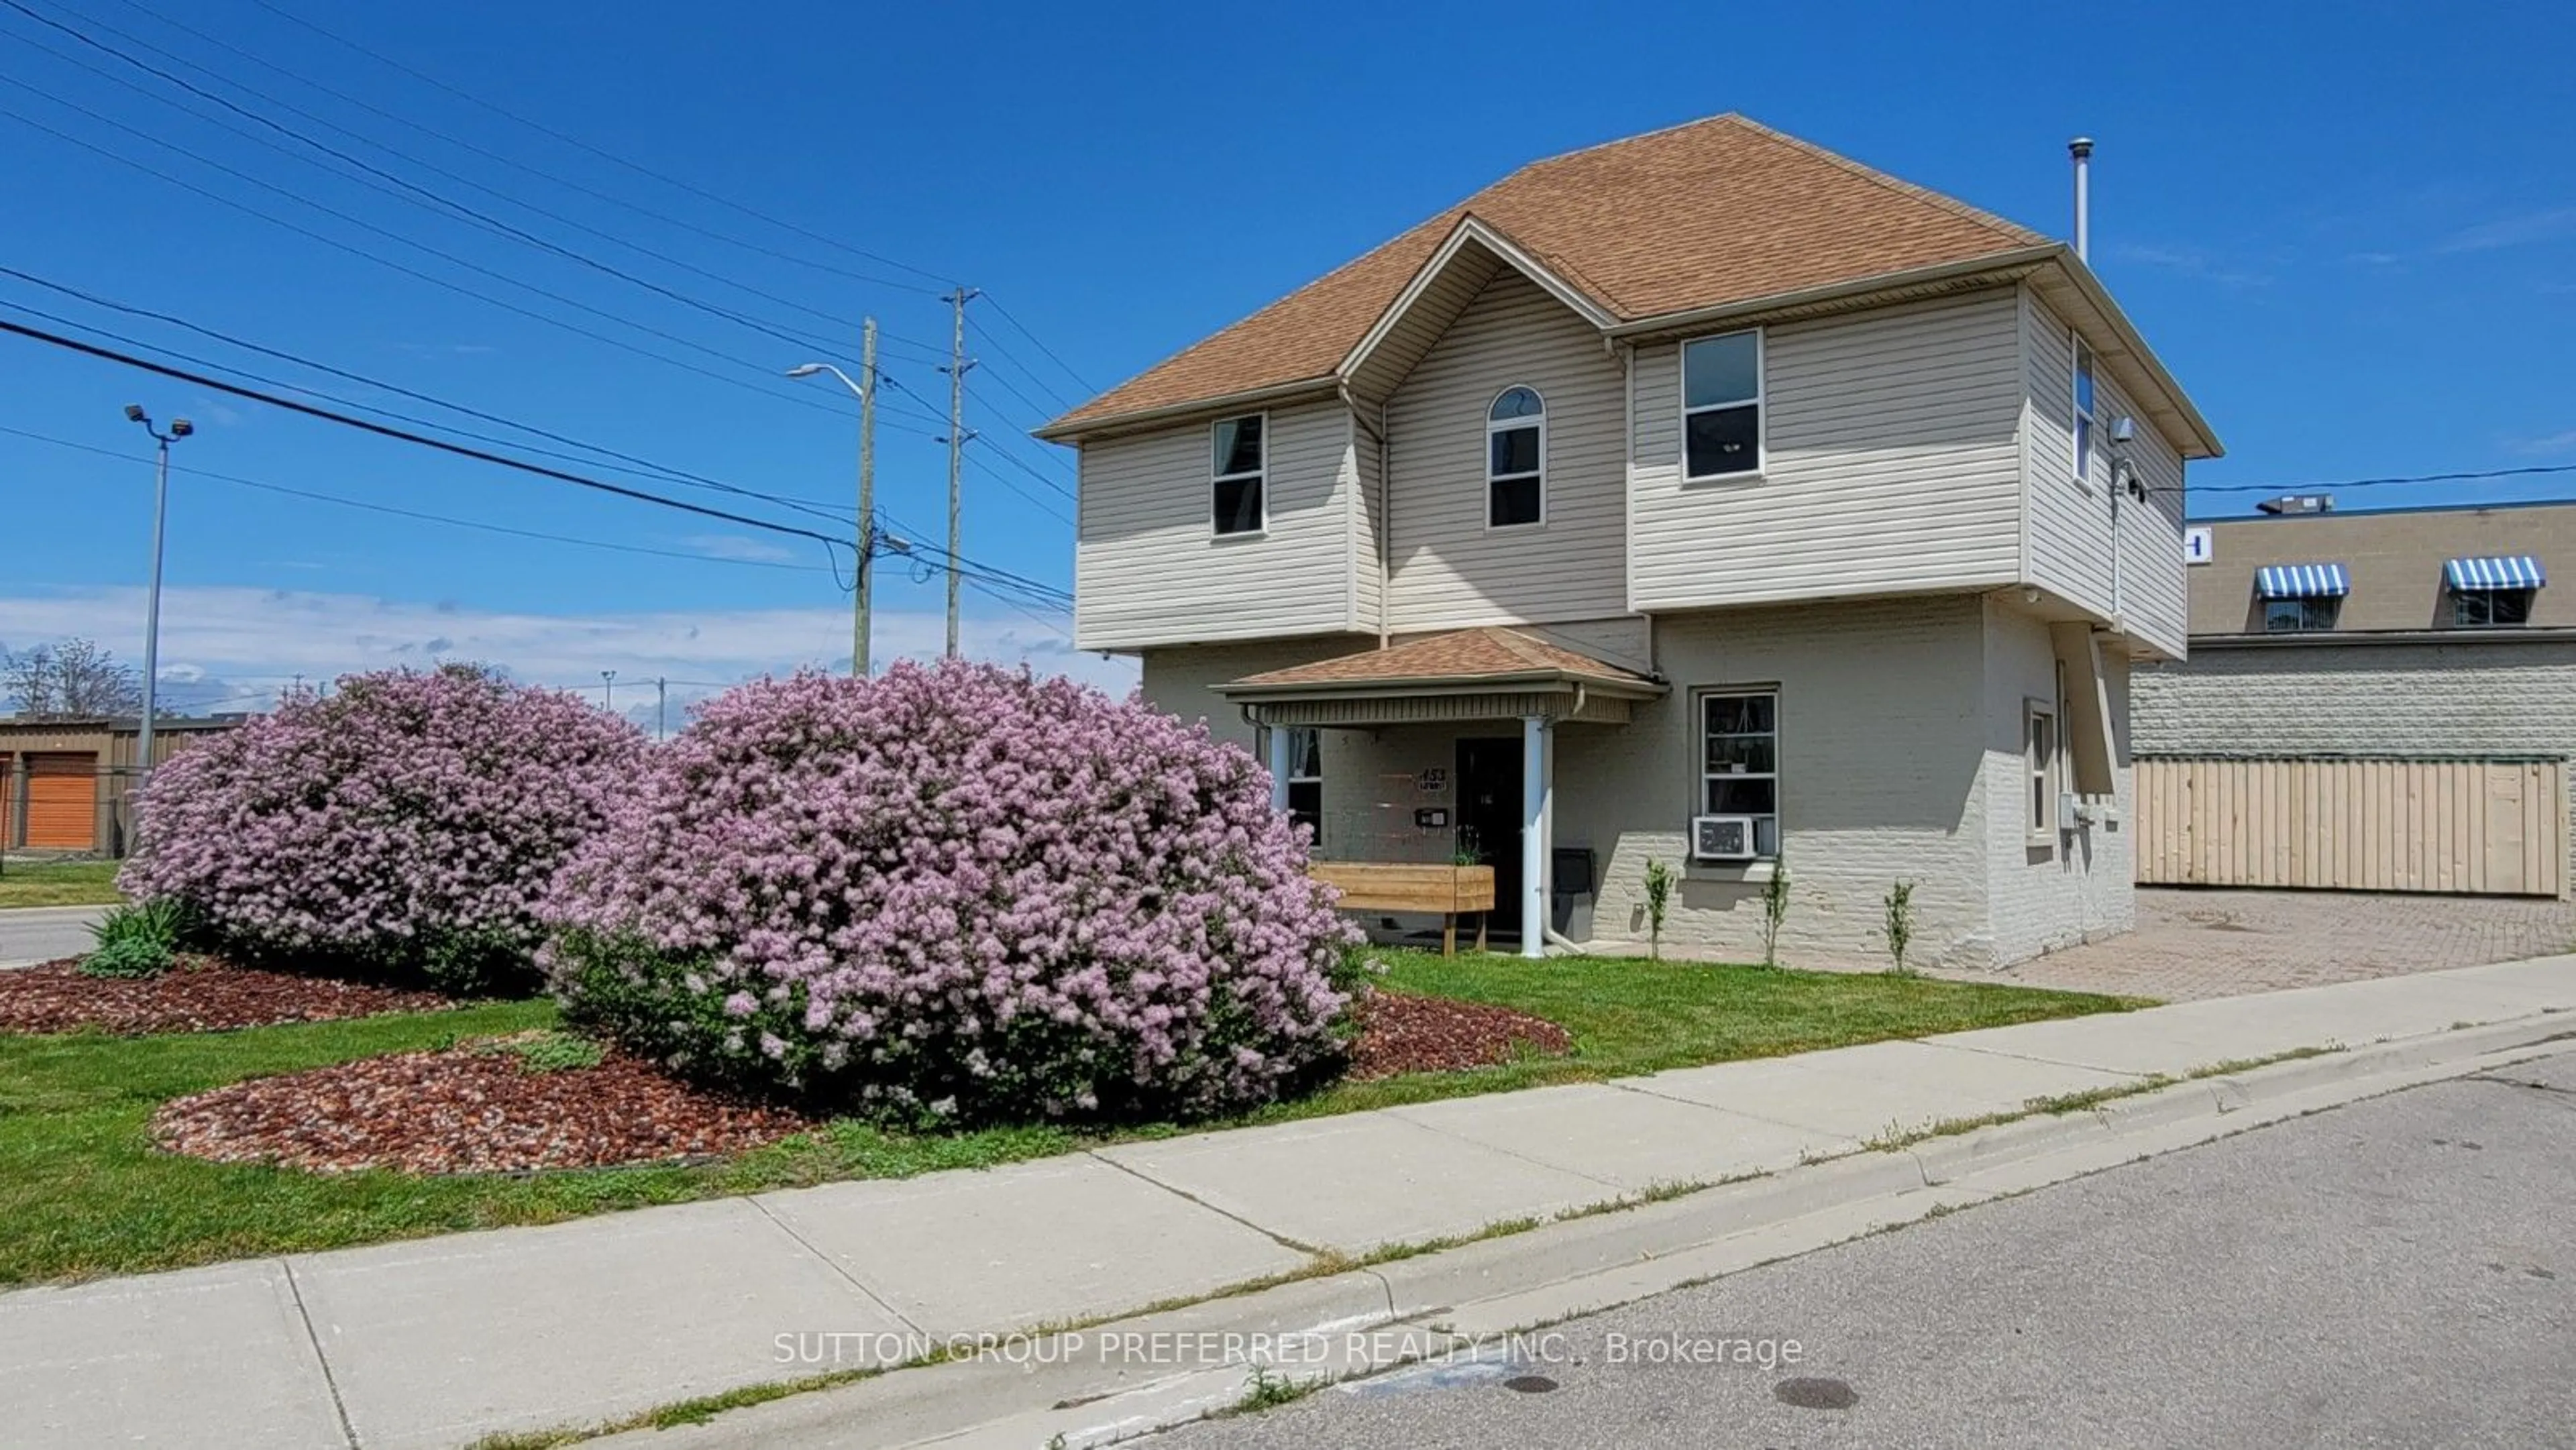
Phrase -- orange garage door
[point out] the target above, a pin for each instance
(62, 802)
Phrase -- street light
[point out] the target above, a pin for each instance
(867, 396)
(179, 428)
(608, 696)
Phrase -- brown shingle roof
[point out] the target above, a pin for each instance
(1717, 211)
(1464, 656)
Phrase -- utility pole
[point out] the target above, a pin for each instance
(179, 428)
(867, 496)
(957, 366)
(661, 706)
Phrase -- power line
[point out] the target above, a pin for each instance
(380, 508)
(384, 430)
(779, 395)
(605, 155)
(644, 465)
(2542, 468)
(1040, 343)
(418, 195)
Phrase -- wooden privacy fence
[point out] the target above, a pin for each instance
(2475, 827)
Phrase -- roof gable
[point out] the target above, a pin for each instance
(1713, 212)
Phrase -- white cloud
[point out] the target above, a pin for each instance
(2188, 262)
(2549, 444)
(739, 547)
(2512, 231)
(215, 634)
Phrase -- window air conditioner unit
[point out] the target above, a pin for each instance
(1722, 838)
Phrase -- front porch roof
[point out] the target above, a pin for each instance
(1469, 674)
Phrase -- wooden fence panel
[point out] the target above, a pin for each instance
(2463, 826)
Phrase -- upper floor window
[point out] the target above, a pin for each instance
(2083, 412)
(1722, 406)
(1238, 449)
(2307, 612)
(2493, 592)
(2491, 608)
(2300, 597)
(1515, 459)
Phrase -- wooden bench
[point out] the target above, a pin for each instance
(1443, 891)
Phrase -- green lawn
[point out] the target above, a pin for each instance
(82, 1192)
(58, 883)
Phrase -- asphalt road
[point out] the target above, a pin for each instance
(2398, 1272)
(42, 933)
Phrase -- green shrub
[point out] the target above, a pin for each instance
(1900, 922)
(137, 941)
(1659, 902)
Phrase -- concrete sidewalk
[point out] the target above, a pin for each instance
(437, 1342)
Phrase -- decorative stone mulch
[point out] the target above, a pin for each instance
(1401, 1032)
(200, 994)
(477, 1107)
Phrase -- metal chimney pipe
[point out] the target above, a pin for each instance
(2081, 148)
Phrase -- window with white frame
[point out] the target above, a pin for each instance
(1238, 448)
(1516, 459)
(2083, 412)
(1740, 761)
(1722, 406)
(2039, 760)
(1306, 779)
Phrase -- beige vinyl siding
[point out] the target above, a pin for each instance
(2155, 596)
(2070, 519)
(1451, 571)
(1893, 464)
(1368, 597)
(2070, 522)
(1149, 569)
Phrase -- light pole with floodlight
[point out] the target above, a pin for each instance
(867, 396)
(179, 428)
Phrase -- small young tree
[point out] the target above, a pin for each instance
(1775, 908)
(1659, 900)
(1900, 922)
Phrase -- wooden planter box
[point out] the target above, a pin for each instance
(1447, 892)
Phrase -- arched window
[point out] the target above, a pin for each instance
(1516, 459)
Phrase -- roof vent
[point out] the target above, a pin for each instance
(2298, 503)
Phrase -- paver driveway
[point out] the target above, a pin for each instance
(2192, 944)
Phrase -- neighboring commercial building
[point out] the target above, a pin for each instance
(63, 783)
(2395, 690)
(1704, 497)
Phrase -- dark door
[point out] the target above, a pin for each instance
(1489, 819)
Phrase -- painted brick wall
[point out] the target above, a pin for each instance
(2401, 699)
(2079, 886)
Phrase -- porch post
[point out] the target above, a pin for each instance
(1534, 813)
(1278, 770)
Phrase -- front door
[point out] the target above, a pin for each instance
(1489, 819)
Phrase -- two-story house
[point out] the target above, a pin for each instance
(1703, 496)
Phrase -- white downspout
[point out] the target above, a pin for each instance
(1278, 769)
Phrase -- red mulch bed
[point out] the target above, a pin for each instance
(200, 994)
(473, 1108)
(1401, 1032)
(478, 1108)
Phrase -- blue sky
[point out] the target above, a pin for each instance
(2349, 230)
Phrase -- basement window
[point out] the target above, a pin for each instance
(1238, 448)
(1516, 459)
(1722, 406)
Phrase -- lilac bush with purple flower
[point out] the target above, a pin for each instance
(957, 893)
(405, 826)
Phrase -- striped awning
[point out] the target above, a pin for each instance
(2302, 581)
(2512, 571)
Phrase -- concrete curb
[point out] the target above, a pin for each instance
(1454, 1300)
